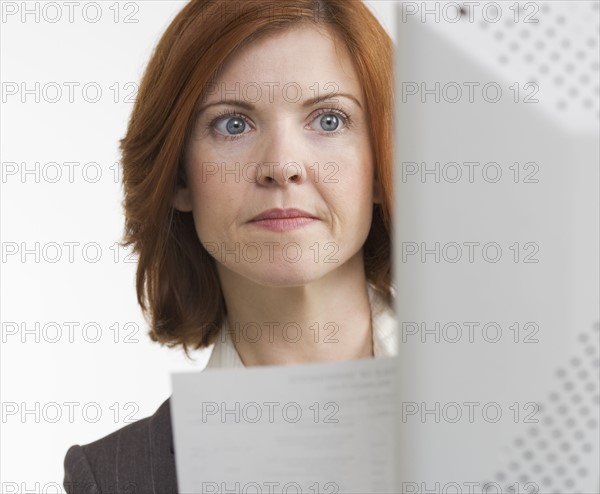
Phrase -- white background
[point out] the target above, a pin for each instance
(55, 380)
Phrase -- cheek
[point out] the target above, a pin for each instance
(355, 178)
(204, 190)
(218, 202)
(359, 190)
(206, 180)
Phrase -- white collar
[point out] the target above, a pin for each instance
(385, 336)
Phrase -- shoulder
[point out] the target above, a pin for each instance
(137, 458)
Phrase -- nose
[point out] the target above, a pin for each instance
(279, 173)
(283, 159)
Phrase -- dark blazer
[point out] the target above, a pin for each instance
(137, 459)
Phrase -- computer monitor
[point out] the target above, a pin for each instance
(496, 246)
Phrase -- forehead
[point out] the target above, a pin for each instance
(309, 56)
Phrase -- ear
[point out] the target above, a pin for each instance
(377, 194)
(182, 200)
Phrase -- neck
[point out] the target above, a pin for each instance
(273, 325)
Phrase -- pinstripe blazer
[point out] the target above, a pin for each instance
(136, 459)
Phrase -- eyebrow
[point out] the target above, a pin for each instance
(325, 97)
(306, 104)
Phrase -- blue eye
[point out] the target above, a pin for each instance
(329, 122)
(234, 125)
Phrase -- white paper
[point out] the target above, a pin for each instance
(316, 428)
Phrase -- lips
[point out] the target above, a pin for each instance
(283, 220)
(278, 214)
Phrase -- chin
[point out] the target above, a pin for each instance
(287, 275)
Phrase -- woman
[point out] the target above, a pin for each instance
(257, 178)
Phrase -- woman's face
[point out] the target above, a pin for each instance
(272, 137)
